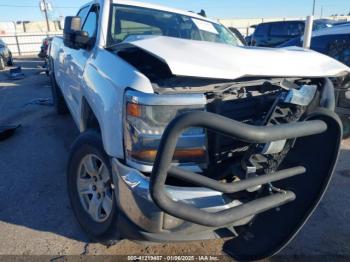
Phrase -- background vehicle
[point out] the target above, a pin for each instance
(248, 38)
(273, 34)
(177, 143)
(5, 55)
(44, 50)
(334, 42)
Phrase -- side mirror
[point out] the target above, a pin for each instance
(72, 24)
(82, 39)
(72, 34)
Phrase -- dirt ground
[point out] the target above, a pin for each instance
(35, 215)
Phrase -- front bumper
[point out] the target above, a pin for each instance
(148, 222)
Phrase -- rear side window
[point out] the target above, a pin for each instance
(287, 29)
(262, 30)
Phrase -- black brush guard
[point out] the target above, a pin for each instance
(320, 129)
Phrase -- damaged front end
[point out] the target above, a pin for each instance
(267, 146)
(271, 144)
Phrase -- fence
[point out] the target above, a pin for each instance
(244, 24)
(29, 43)
(22, 44)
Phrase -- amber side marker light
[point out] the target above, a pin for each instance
(133, 110)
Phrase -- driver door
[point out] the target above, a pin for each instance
(76, 60)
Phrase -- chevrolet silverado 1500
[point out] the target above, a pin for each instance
(188, 135)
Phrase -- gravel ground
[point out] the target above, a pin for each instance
(35, 215)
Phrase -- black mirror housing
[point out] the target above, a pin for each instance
(72, 24)
(72, 34)
(82, 39)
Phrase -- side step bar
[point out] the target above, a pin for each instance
(236, 130)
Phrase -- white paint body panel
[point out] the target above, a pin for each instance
(99, 78)
(214, 60)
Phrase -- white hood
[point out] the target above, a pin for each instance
(213, 60)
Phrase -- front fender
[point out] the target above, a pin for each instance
(105, 80)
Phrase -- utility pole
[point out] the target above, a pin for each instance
(44, 7)
(308, 32)
(314, 7)
(321, 11)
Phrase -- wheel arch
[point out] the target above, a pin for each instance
(89, 119)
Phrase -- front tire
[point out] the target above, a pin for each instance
(90, 187)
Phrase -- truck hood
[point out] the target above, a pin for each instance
(221, 61)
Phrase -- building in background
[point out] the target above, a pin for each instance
(29, 27)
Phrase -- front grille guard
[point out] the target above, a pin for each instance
(236, 130)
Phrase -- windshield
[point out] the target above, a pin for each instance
(128, 22)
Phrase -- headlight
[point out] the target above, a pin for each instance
(147, 116)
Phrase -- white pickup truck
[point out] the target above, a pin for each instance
(188, 135)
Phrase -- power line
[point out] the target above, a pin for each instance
(34, 6)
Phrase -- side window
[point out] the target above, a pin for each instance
(135, 28)
(286, 29)
(339, 49)
(82, 13)
(317, 26)
(262, 30)
(128, 22)
(90, 25)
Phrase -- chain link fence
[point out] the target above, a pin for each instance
(22, 44)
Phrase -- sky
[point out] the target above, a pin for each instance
(28, 10)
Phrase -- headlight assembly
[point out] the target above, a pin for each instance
(147, 116)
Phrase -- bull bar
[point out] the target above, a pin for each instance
(236, 130)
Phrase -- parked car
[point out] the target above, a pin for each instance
(273, 34)
(5, 55)
(44, 53)
(45, 48)
(334, 42)
(185, 135)
(248, 38)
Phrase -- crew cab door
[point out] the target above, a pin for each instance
(76, 60)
